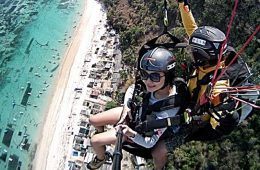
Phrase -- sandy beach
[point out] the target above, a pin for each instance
(52, 150)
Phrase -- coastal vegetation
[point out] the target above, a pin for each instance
(139, 20)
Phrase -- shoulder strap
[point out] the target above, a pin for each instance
(165, 104)
(178, 100)
(145, 107)
(137, 99)
(204, 81)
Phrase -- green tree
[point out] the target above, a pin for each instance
(110, 105)
(140, 20)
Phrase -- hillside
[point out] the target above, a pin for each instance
(139, 20)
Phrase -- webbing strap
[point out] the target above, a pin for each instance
(206, 79)
(160, 123)
(165, 19)
(166, 104)
(151, 44)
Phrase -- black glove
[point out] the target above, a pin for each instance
(186, 2)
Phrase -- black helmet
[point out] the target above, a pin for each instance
(161, 60)
(206, 43)
(158, 59)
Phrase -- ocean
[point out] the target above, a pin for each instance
(34, 36)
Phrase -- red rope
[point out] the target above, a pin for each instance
(204, 98)
(248, 87)
(243, 101)
(240, 87)
(237, 55)
(239, 91)
(225, 42)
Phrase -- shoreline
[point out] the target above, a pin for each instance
(50, 153)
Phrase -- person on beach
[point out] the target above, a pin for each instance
(157, 70)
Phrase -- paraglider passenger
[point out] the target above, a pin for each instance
(157, 70)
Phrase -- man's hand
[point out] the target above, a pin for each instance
(186, 4)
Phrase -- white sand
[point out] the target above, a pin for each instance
(53, 145)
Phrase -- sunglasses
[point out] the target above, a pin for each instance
(155, 77)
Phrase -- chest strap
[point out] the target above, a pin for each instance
(160, 123)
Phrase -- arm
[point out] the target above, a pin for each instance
(187, 19)
(216, 100)
(147, 142)
(126, 109)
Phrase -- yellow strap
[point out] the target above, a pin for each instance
(214, 123)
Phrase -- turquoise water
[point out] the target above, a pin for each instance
(33, 37)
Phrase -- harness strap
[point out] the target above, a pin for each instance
(173, 101)
(165, 18)
(160, 123)
(166, 104)
(145, 106)
(195, 93)
(151, 44)
(180, 119)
